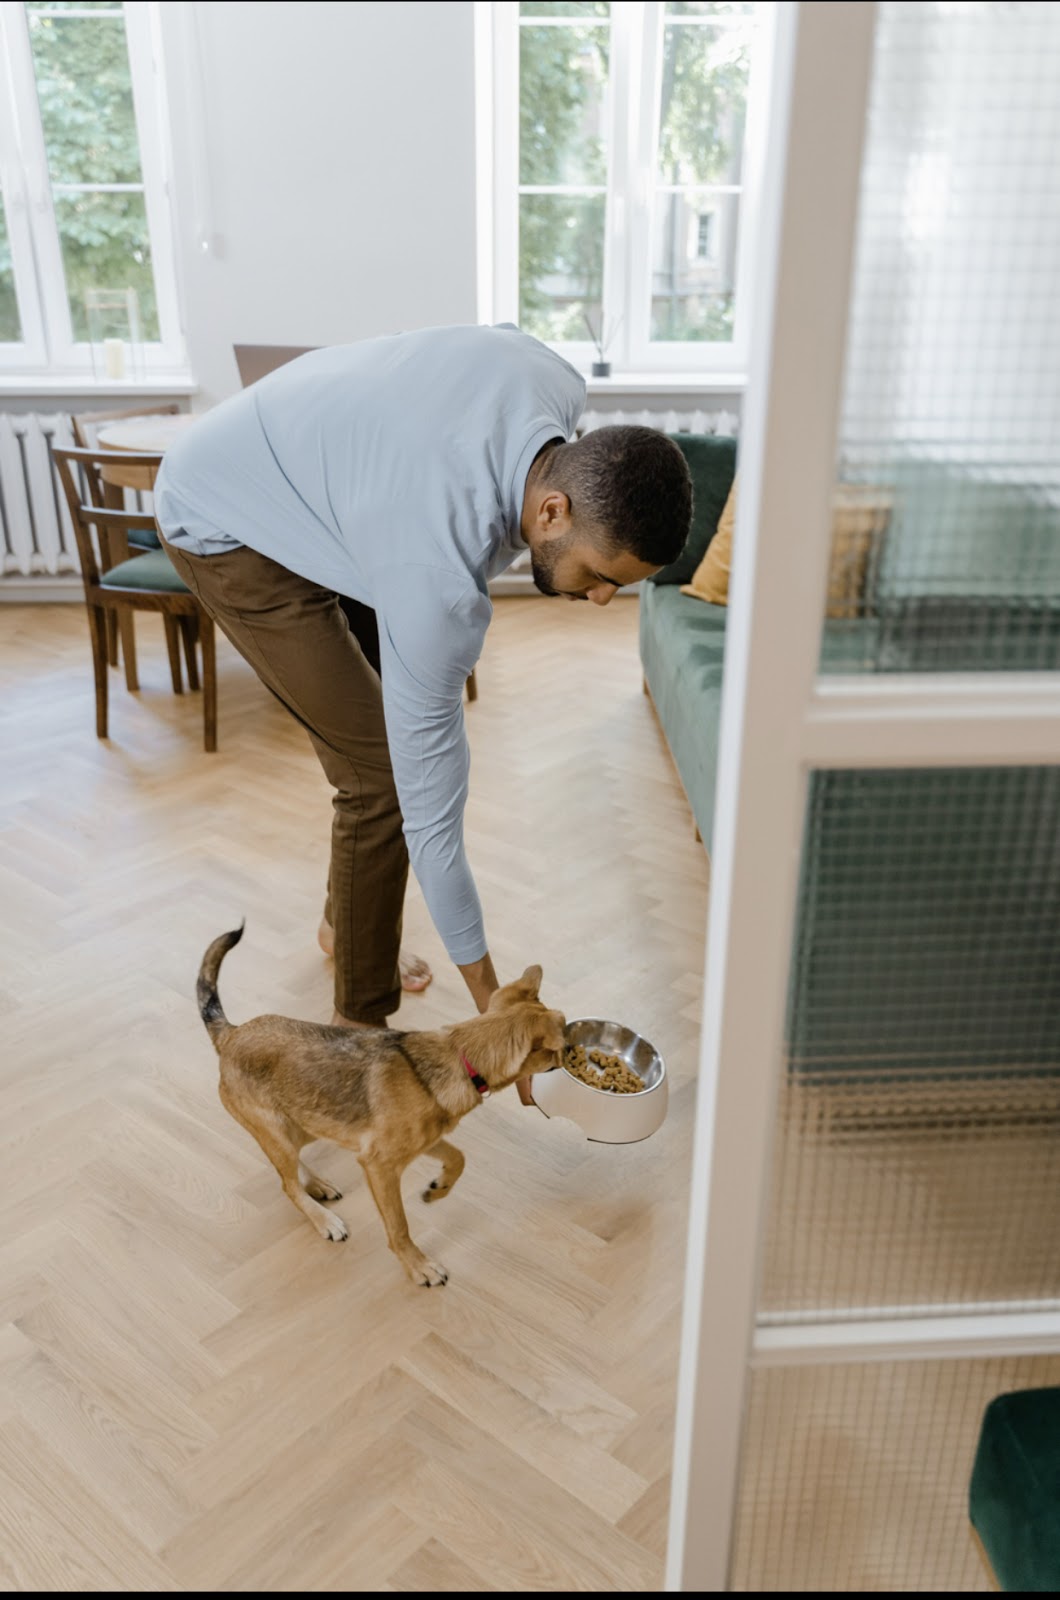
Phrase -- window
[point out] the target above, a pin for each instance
(624, 157)
(82, 193)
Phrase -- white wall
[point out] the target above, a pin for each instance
(328, 151)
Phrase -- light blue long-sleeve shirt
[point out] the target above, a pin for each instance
(392, 471)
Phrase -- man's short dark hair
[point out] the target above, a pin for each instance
(631, 487)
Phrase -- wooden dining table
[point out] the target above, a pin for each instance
(154, 434)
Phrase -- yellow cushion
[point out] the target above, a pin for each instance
(710, 581)
(860, 514)
(859, 518)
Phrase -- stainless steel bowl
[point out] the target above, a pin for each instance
(604, 1116)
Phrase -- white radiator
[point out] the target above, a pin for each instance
(35, 532)
(698, 421)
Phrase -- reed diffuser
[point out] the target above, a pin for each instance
(601, 367)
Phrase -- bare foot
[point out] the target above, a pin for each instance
(415, 973)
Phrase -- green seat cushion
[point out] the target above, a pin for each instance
(682, 649)
(153, 570)
(144, 539)
(712, 464)
(1014, 1495)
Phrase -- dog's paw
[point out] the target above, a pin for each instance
(319, 1190)
(428, 1274)
(435, 1191)
(335, 1229)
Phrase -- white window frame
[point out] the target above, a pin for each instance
(634, 87)
(48, 345)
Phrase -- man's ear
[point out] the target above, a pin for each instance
(555, 511)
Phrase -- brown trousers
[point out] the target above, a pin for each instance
(319, 654)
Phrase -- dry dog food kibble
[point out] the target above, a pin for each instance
(601, 1071)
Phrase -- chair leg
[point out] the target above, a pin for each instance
(126, 627)
(97, 631)
(472, 686)
(209, 681)
(173, 646)
(189, 632)
(110, 618)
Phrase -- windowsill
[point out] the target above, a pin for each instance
(668, 383)
(30, 384)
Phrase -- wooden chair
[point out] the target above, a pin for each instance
(86, 425)
(146, 581)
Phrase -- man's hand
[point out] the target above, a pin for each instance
(481, 981)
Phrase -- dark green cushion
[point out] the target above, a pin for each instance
(712, 464)
(144, 539)
(153, 570)
(1014, 1496)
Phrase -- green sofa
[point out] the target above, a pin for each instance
(682, 639)
(1014, 1495)
(928, 925)
(927, 937)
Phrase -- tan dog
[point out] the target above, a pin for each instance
(387, 1096)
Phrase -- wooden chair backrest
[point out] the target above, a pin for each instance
(79, 474)
(86, 423)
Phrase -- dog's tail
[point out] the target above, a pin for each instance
(210, 1009)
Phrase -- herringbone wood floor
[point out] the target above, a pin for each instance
(195, 1390)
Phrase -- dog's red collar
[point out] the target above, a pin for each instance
(476, 1077)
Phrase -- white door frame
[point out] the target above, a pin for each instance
(776, 610)
(779, 721)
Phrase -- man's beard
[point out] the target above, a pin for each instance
(543, 564)
(542, 568)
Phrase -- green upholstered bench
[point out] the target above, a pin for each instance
(931, 857)
(1014, 1496)
(682, 639)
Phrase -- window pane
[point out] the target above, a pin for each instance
(10, 326)
(561, 264)
(592, 8)
(694, 266)
(85, 92)
(703, 104)
(105, 245)
(562, 113)
(950, 414)
(696, 8)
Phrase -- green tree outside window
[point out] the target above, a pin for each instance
(84, 89)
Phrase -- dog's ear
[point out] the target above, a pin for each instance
(548, 1032)
(530, 982)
